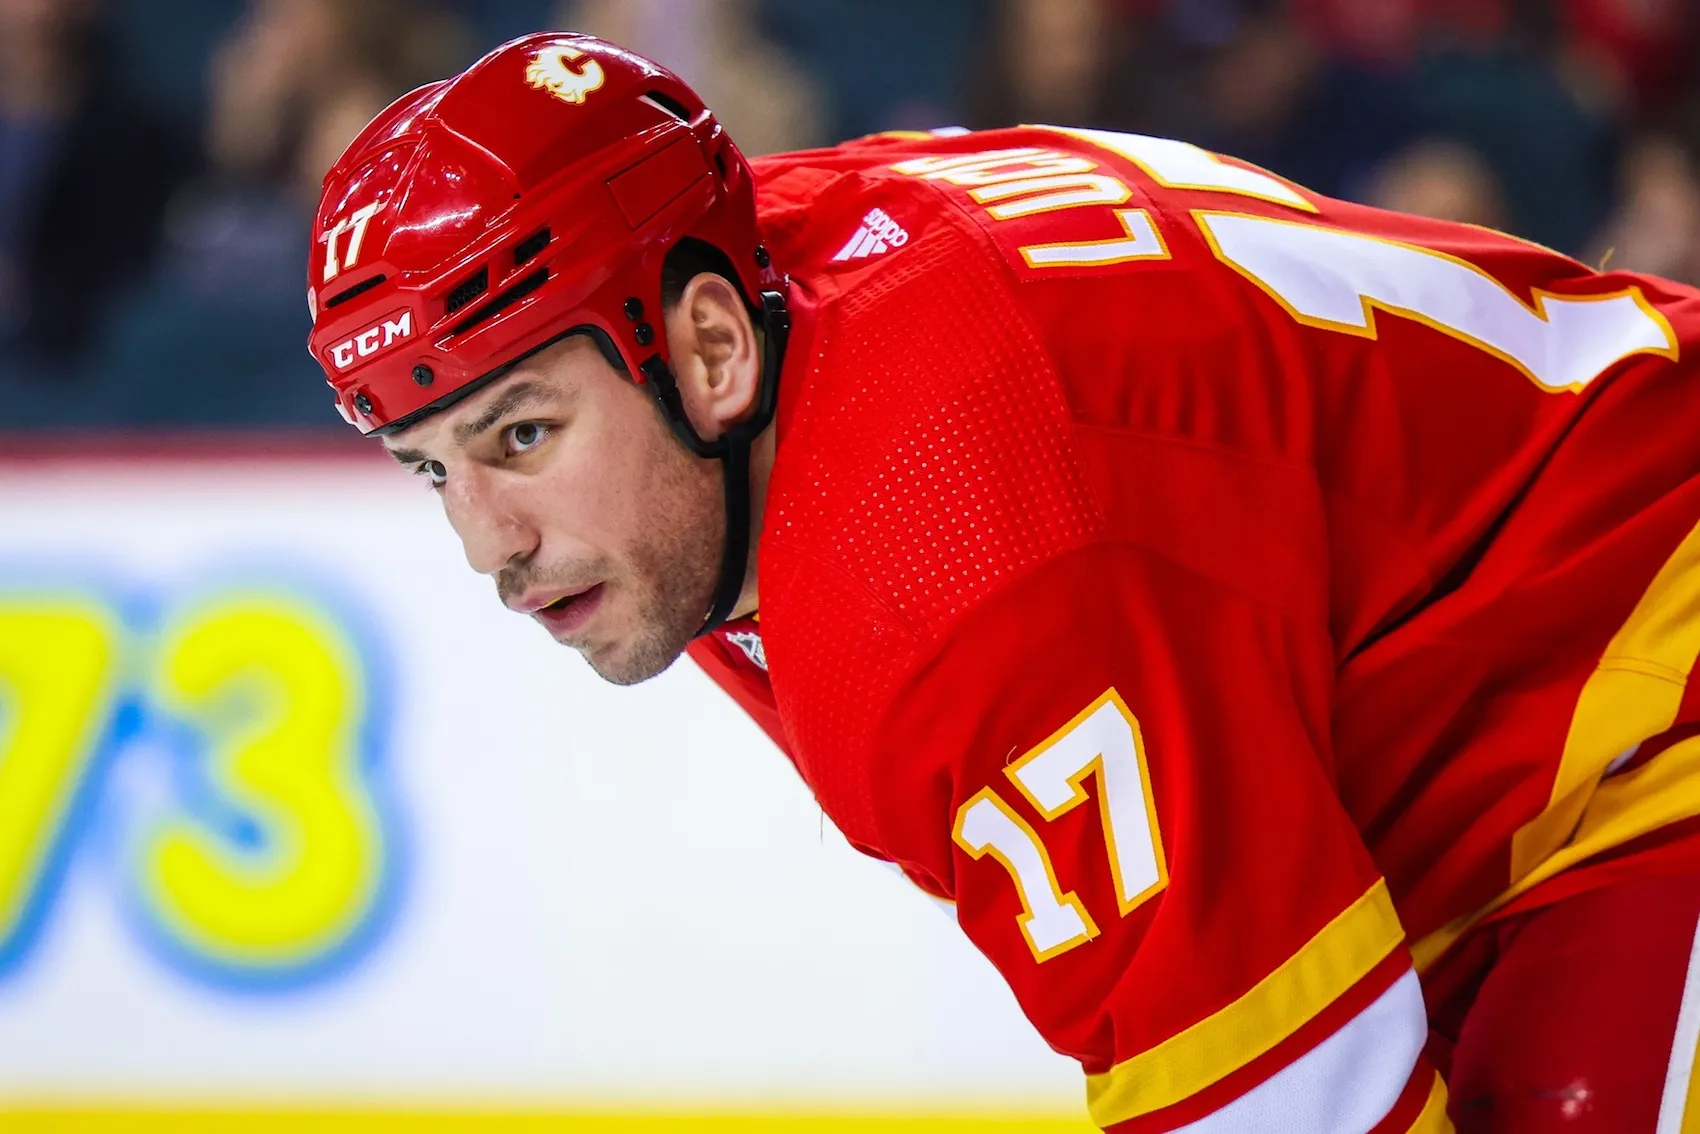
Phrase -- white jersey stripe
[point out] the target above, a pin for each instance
(1680, 1069)
(1345, 1084)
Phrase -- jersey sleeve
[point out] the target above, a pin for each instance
(1113, 766)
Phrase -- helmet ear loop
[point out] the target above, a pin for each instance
(731, 448)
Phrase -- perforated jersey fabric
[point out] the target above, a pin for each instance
(917, 493)
(1050, 451)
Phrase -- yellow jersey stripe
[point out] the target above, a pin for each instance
(1665, 790)
(1633, 694)
(1322, 971)
(1690, 1120)
(423, 1120)
(1433, 1119)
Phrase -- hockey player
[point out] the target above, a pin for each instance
(1267, 619)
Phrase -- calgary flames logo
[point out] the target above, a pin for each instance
(551, 71)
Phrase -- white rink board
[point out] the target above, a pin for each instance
(595, 896)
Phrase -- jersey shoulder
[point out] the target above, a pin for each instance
(838, 217)
(930, 428)
(926, 454)
(995, 378)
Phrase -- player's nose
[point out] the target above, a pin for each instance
(492, 532)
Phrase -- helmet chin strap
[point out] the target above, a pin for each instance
(731, 448)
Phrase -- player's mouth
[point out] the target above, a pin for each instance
(566, 614)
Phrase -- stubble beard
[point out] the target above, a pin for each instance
(667, 575)
(673, 569)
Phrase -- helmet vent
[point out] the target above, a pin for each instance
(503, 301)
(360, 288)
(531, 246)
(467, 290)
(671, 105)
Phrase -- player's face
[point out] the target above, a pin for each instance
(566, 486)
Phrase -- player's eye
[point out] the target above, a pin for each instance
(433, 472)
(524, 436)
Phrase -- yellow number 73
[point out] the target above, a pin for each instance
(57, 663)
(277, 702)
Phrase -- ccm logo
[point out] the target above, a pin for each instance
(391, 329)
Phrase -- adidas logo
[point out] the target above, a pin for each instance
(879, 233)
(752, 647)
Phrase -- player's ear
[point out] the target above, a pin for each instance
(716, 356)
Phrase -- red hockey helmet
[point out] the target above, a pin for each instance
(535, 196)
(478, 219)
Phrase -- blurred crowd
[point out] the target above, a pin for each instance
(160, 159)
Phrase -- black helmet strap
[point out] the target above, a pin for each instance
(731, 448)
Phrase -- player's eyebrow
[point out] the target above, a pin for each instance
(520, 395)
(517, 396)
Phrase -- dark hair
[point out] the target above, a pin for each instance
(688, 259)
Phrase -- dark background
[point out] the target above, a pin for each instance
(160, 159)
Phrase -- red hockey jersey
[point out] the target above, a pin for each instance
(1223, 594)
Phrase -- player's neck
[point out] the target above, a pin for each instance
(761, 471)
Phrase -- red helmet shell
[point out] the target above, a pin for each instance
(479, 218)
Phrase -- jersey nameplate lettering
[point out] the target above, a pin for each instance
(1323, 277)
